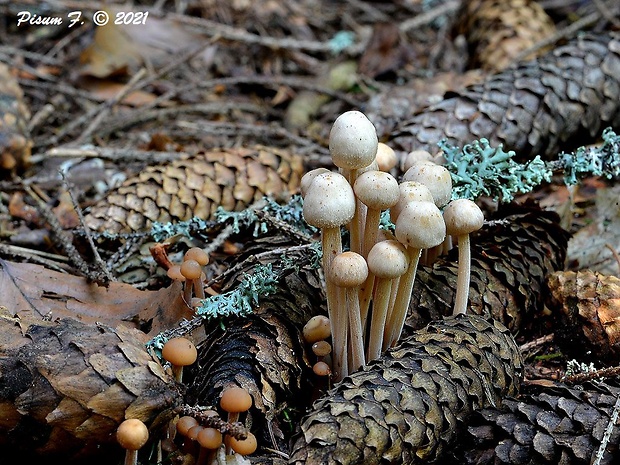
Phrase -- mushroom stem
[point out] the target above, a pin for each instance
(331, 242)
(380, 305)
(131, 457)
(371, 229)
(356, 227)
(464, 272)
(395, 325)
(355, 326)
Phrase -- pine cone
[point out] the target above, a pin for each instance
(497, 31)
(558, 101)
(66, 386)
(262, 352)
(561, 425)
(510, 263)
(15, 142)
(196, 187)
(406, 406)
(590, 303)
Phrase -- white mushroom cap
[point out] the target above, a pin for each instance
(436, 177)
(462, 216)
(420, 225)
(329, 202)
(410, 191)
(306, 179)
(377, 190)
(353, 141)
(414, 157)
(388, 259)
(386, 157)
(349, 269)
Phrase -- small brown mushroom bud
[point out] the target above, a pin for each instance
(192, 270)
(235, 400)
(245, 446)
(180, 352)
(321, 348)
(321, 369)
(198, 254)
(132, 434)
(316, 329)
(209, 439)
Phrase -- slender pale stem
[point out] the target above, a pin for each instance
(355, 326)
(131, 457)
(380, 303)
(356, 227)
(463, 277)
(365, 296)
(371, 229)
(403, 297)
(332, 246)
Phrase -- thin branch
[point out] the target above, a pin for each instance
(98, 261)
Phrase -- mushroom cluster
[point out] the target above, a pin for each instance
(369, 286)
(208, 439)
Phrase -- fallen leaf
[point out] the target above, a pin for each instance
(105, 89)
(32, 290)
(120, 48)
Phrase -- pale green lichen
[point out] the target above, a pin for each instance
(290, 213)
(480, 169)
(241, 300)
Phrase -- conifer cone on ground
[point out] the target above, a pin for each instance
(15, 142)
(512, 259)
(195, 187)
(560, 100)
(497, 31)
(557, 425)
(407, 406)
(65, 386)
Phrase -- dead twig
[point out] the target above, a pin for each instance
(213, 28)
(98, 261)
(105, 108)
(256, 130)
(63, 241)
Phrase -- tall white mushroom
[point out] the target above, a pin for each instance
(353, 145)
(419, 226)
(462, 217)
(329, 203)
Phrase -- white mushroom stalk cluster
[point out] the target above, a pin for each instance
(369, 287)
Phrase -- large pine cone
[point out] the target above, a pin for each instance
(65, 386)
(558, 425)
(15, 142)
(561, 100)
(196, 187)
(406, 406)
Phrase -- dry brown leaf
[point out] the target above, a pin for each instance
(108, 90)
(32, 290)
(120, 48)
